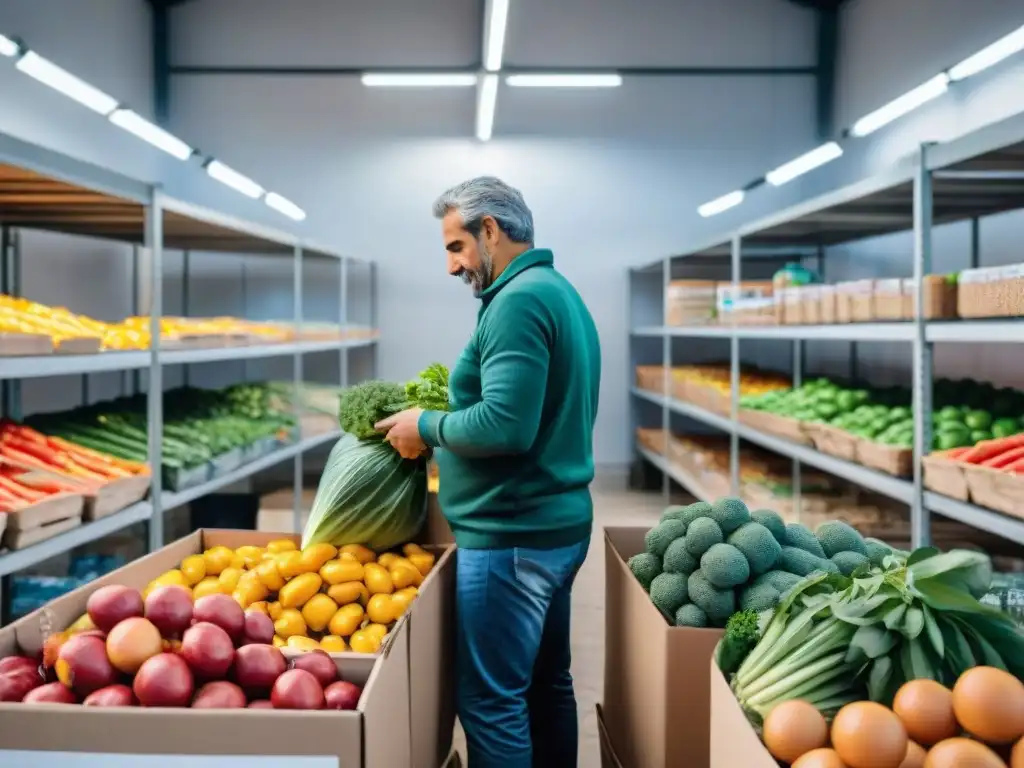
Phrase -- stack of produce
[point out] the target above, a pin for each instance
(19, 315)
(897, 632)
(1005, 454)
(163, 650)
(704, 562)
(693, 381)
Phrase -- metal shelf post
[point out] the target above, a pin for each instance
(734, 373)
(297, 479)
(155, 391)
(343, 316)
(666, 363)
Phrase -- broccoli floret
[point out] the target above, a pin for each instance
(690, 512)
(836, 536)
(759, 597)
(660, 536)
(678, 560)
(718, 604)
(741, 635)
(669, 592)
(773, 522)
(757, 545)
(672, 512)
(645, 567)
(725, 566)
(691, 616)
(802, 563)
(848, 562)
(730, 513)
(782, 581)
(800, 537)
(877, 551)
(704, 533)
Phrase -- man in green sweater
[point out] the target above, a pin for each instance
(516, 461)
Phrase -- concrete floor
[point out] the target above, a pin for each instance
(611, 508)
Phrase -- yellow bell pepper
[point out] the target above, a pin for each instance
(290, 623)
(377, 579)
(296, 592)
(313, 557)
(303, 643)
(341, 570)
(346, 620)
(349, 592)
(194, 568)
(318, 611)
(217, 559)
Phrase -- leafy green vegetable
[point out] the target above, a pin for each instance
(363, 405)
(429, 390)
(741, 635)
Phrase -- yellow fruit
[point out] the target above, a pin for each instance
(377, 579)
(349, 592)
(424, 562)
(251, 556)
(404, 574)
(313, 557)
(289, 564)
(341, 570)
(281, 545)
(412, 592)
(363, 554)
(237, 561)
(290, 623)
(333, 644)
(217, 559)
(209, 586)
(302, 643)
(346, 620)
(364, 642)
(269, 575)
(296, 592)
(82, 624)
(229, 578)
(171, 578)
(194, 569)
(260, 606)
(413, 549)
(376, 630)
(249, 589)
(274, 609)
(279, 642)
(387, 559)
(380, 610)
(318, 612)
(400, 602)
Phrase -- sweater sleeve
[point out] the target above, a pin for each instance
(515, 351)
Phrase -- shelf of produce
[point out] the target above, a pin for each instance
(684, 479)
(978, 517)
(685, 409)
(176, 499)
(841, 332)
(18, 560)
(183, 356)
(992, 331)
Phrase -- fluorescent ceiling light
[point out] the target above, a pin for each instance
(416, 80)
(494, 45)
(611, 80)
(897, 108)
(155, 135)
(8, 47)
(807, 162)
(233, 179)
(987, 57)
(723, 203)
(48, 73)
(486, 105)
(285, 206)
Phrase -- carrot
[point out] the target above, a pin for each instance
(988, 449)
(1016, 467)
(80, 450)
(21, 491)
(1004, 459)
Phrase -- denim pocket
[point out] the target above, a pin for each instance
(543, 571)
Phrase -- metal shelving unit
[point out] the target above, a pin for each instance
(966, 179)
(41, 189)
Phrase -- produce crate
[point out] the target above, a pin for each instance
(734, 742)
(79, 345)
(224, 463)
(992, 488)
(892, 460)
(42, 520)
(833, 441)
(844, 304)
(651, 378)
(608, 757)
(991, 292)
(945, 476)
(175, 479)
(940, 298)
(780, 426)
(827, 304)
(792, 305)
(862, 300)
(21, 344)
(690, 302)
(810, 304)
(889, 299)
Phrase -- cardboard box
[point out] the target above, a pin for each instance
(436, 531)
(733, 742)
(377, 735)
(608, 757)
(656, 685)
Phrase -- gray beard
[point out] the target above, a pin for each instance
(480, 279)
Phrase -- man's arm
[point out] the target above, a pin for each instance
(514, 357)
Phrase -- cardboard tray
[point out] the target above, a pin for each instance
(376, 735)
(833, 441)
(945, 476)
(734, 743)
(226, 462)
(992, 488)
(115, 496)
(180, 479)
(23, 344)
(82, 345)
(886, 458)
(55, 514)
(780, 426)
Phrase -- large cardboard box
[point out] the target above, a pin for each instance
(608, 757)
(733, 742)
(656, 685)
(436, 531)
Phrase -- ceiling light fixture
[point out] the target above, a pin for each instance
(610, 80)
(49, 74)
(486, 106)
(497, 23)
(418, 80)
(901, 106)
(816, 158)
(153, 134)
(989, 56)
(720, 204)
(232, 178)
(285, 206)
(8, 47)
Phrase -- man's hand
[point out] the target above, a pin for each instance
(403, 432)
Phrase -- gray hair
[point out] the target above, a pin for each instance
(488, 196)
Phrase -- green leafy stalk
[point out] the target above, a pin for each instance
(360, 407)
(741, 635)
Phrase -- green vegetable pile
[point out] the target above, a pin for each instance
(706, 561)
(368, 494)
(835, 639)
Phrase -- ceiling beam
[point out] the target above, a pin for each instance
(161, 40)
(508, 70)
(827, 56)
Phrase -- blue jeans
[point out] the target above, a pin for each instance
(514, 689)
